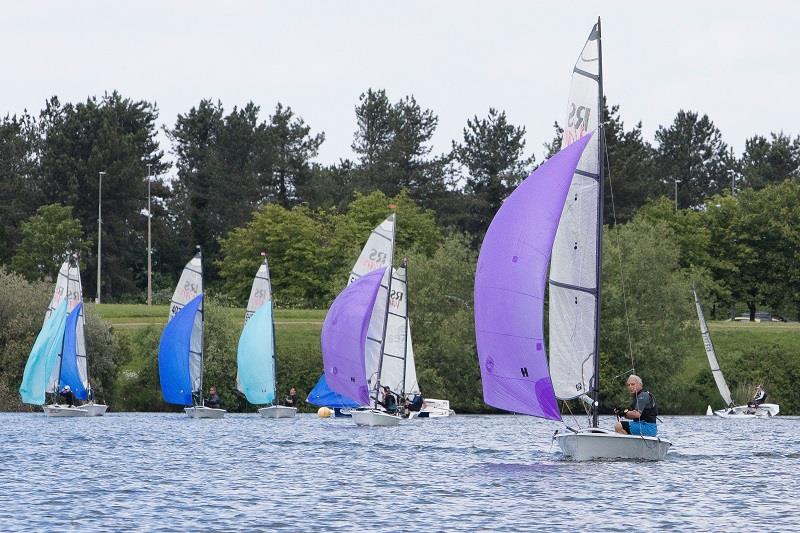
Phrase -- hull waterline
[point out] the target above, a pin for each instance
(374, 418)
(204, 412)
(277, 411)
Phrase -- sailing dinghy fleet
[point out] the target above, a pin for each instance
(546, 239)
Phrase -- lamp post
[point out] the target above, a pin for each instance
(733, 182)
(99, 233)
(676, 194)
(149, 246)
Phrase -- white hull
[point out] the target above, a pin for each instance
(373, 417)
(204, 412)
(765, 410)
(94, 409)
(596, 443)
(432, 408)
(63, 411)
(277, 411)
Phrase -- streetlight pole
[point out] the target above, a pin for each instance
(733, 183)
(149, 246)
(676, 194)
(99, 233)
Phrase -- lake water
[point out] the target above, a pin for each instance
(166, 472)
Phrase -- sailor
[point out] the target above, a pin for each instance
(291, 398)
(389, 401)
(640, 417)
(213, 398)
(68, 395)
(415, 403)
(759, 397)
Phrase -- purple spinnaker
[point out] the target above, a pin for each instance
(344, 335)
(509, 289)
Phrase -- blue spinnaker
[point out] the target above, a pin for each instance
(173, 355)
(255, 357)
(322, 396)
(69, 357)
(43, 357)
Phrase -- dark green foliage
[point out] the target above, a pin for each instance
(691, 150)
(491, 153)
(769, 161)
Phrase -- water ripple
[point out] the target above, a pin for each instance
(166, 472)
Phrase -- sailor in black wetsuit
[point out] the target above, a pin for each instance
(68, 395)
(213, 398)
(640, 417)
(389, 401)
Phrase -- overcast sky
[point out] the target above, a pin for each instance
(737, 61)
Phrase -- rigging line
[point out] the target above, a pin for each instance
(619, 254)
(566, 404)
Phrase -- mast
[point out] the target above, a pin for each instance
(61, 351)
(202, 328)
(599, 269)
(275, 401)
(404, 265)
(385, 316)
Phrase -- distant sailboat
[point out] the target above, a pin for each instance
(180, 351)
(764, 410)
(256, 376)
(70, 365)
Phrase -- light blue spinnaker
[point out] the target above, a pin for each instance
(255, 357)
(43, 357)
(174, 353)
(70, 374)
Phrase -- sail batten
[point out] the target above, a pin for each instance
(509, 289)
(719, 378)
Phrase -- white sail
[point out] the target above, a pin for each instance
(260, 293)
(712, 356)
(190, 286)
(575, 263)
(377, 252)
(68, 285)
(397, 370)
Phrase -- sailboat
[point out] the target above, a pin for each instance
(68, 349)
(556, 211)
(388, 358)
(256, 373)
(180, 351)
(765, 410)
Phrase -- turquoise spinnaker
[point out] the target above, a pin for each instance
(43, 357)
(255, 357)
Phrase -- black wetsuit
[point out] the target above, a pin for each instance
(389, 403)
(290, 400)
(645, 403)
(68, 395)
(213, 401)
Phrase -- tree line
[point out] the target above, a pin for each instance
(230, 164)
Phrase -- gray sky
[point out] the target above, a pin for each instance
(734, 60)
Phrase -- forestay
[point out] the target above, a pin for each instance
(189, 287)
(575, 267)
(68, 288)
(509, 289)
(712, 356)
(255, 376)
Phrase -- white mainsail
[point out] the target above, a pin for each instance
(397, 369)
(575, 263)
(68, 285)
(189, 287)
(377, 252)
(712, 356)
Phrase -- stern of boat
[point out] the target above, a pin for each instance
(277, 411)
(597, 444)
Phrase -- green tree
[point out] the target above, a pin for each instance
(47, 238)
(691, 150)
(115, 135)
(19, 190)
(770, 161)
(294, 240)
(440, 288)
(491, 153)
(646, 300)
(392, 142)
